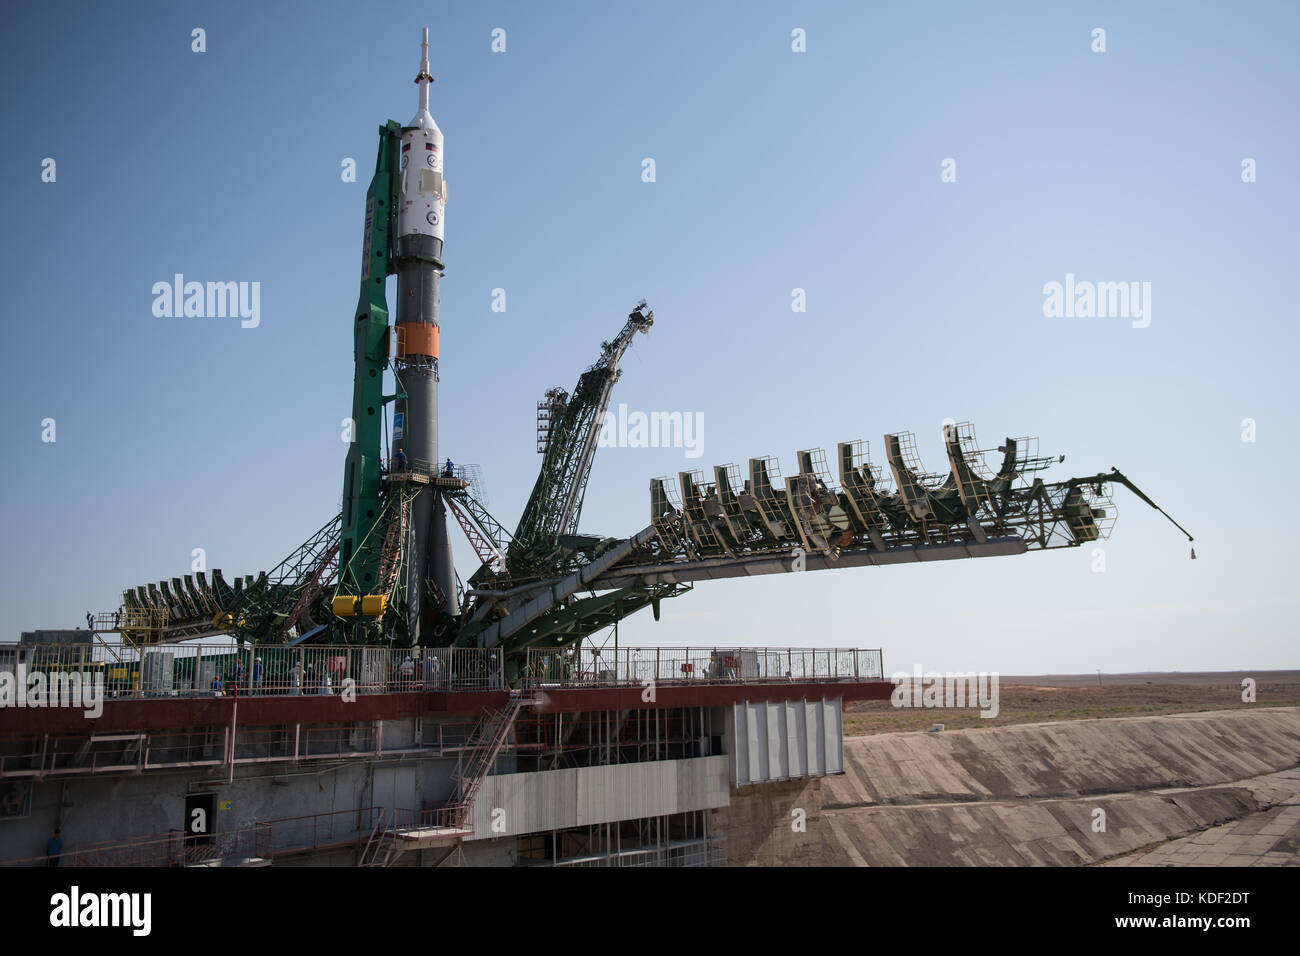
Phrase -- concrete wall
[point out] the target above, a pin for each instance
(1068, 758)
(1024, 795)
(772, 824)
(116, 807)
(119, 807)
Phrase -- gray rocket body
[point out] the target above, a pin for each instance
(429, 550)
(417, 374)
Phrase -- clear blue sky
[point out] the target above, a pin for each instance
(775, 170)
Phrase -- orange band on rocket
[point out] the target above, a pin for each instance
(417, 339)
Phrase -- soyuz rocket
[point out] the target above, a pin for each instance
(421, 196)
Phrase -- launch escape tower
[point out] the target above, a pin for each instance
(381, 572)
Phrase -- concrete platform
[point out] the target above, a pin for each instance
(420, 838)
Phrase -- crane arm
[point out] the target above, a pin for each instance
(1119, 478)
(556, 502)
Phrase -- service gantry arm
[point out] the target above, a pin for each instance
(555, 505)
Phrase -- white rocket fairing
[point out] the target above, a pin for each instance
(421, 191)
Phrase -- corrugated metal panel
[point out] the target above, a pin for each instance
(834, 739)
(556, 799)
(782, 740)
(796, 726)
(815, 739)
(778, 764)
(733, 730)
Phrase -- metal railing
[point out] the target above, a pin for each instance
(88, 754)
(224, 669)
(262, 842)
(454, 818)
(702, 852)
(252, 844)
(324, 831)
(259, 842)
(635, 666)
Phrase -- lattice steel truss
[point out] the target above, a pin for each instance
(385, 548)
(284, 596)
(572, 427)
(971, 508)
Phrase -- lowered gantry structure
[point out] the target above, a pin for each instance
(736, 526)
(548, 586)
(874, 515)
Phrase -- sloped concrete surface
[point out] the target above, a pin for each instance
(1270, 837)
(1067, 793)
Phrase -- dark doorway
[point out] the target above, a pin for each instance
(200, 818)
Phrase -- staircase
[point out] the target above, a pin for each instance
(381, 847)
(487, 552)
(482, 748)
(484, 745)
(394, 540)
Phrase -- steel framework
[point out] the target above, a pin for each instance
(569, 442)
(548, 586)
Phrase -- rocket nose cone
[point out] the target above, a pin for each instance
(423, 120)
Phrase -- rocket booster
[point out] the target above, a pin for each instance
(421, 199)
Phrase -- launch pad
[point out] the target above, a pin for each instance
(466, 716)
(381, 573)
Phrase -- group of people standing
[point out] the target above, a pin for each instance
(301, 680)
(413, 673)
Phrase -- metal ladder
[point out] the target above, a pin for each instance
(394, 537)
(485, 744)
(380, 847)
